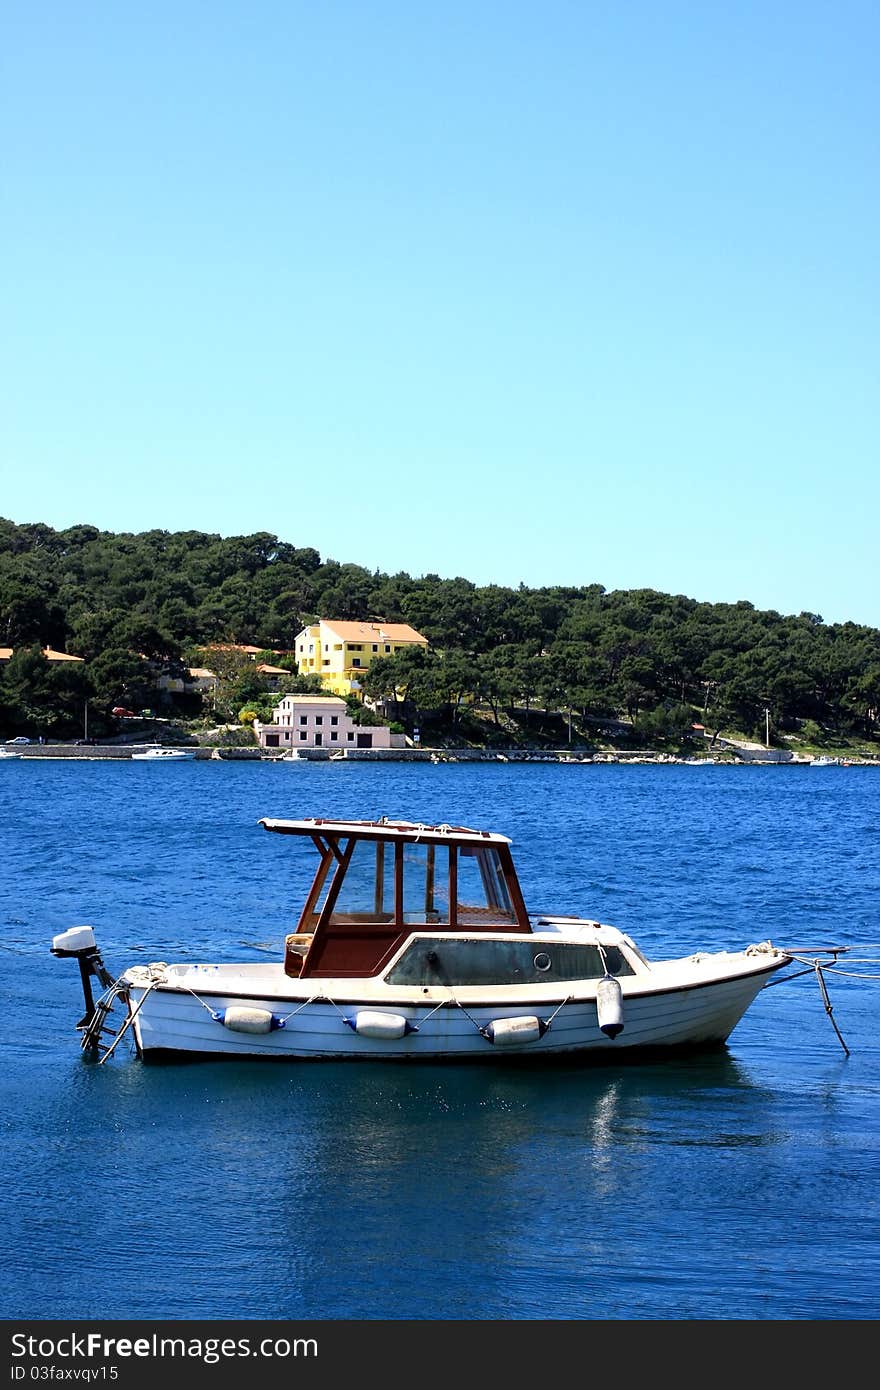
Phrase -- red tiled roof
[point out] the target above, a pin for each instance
(48, 653)
(51, 655)
(373, 632)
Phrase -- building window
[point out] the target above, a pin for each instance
(327, 662)
(333, 738)
(375, 648)
(319, 719)
(303, 735)
(304, 719)
(350, 736)
(356, 661)
(337, 646)
(387, 648)
(334, 719)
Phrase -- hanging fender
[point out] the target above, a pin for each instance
(609, 1006)
(370, 1023)
(507, 1032)
(242, 1019)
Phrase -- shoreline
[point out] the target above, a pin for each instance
(734, 758)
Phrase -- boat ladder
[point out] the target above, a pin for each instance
(99, 1026)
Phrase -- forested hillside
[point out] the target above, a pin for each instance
(657, 659)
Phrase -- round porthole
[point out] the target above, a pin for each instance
(542, 961)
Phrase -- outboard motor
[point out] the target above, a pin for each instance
(79, 943)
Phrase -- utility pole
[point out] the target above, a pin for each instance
(766, 728)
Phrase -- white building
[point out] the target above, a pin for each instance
(320, 721)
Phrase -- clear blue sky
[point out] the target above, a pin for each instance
(544, 293)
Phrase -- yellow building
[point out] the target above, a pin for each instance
(339, 652)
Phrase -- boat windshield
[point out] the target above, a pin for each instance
(370, 892)
(418, 879)
(484, 961)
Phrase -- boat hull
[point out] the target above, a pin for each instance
(323, 1025)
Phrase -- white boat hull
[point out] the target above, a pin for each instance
(169, 755)
(697, 1006)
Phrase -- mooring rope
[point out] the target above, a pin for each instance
(200, 1001)
(479, 1026)
(828, 1009)
(815, 965)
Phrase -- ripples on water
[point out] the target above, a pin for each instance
(734, 1185)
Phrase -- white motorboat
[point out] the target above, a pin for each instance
(414, 942)
(7, 753)
(159, 754)
(825, 761)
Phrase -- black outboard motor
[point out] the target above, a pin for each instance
(79, 942)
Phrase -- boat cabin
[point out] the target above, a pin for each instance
(378, 882)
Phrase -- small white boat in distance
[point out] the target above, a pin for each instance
(414, 942)
(165, 755)
(6, 753)
(825, 762)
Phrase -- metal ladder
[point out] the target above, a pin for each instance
(96, 1028)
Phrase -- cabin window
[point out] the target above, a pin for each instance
(425, 884)
(484, 961)
(482, 890)
(367, 891)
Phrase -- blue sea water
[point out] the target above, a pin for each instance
(735, 1185)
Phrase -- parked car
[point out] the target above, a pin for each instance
(21, 739)
(124, 713)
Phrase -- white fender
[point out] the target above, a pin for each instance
(243, 1019)
(504, 1032)
(371, 1024)
(609, 1006)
